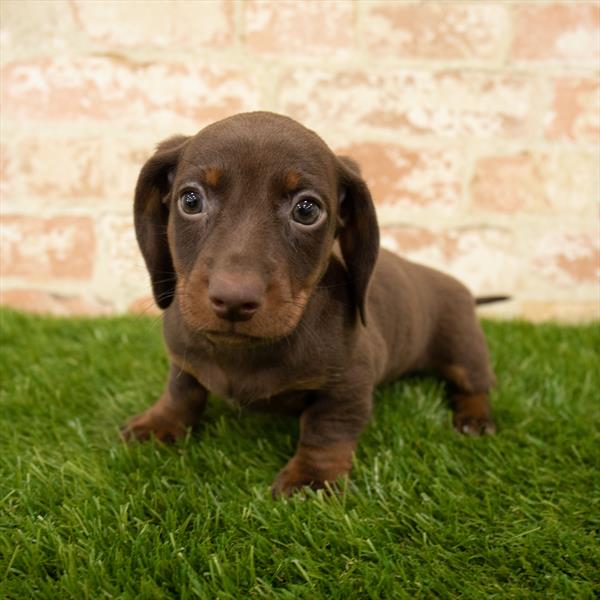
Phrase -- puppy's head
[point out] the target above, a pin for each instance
(238, 222)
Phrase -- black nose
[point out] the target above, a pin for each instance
(235, 297)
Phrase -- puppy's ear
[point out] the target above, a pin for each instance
(358, 233)
(151, 216)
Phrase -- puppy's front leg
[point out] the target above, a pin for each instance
(329, 430)
(180, 406)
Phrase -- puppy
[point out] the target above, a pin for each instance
(263, 252)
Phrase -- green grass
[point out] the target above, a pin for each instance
(427, 512)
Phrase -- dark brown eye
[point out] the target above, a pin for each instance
(191, 203)
(306, 211)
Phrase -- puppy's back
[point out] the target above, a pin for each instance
(409, 305)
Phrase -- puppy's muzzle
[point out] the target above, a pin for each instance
(235, 296)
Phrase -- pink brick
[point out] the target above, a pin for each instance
(407, 241)
(159, 23)
(65, 89)
(299, 26)
(575, 111)
(444, 104)
(58, 168)
(508, 184)
(441, 30)
(569, 257)
(481, 257)
(534, 182)
(39, 301)
(404, 177)
(42, 249)
(76, 169)
(563, 31)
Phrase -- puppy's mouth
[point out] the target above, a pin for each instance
(274, 321)
(234, 338)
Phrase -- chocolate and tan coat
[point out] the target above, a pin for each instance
(263, 251)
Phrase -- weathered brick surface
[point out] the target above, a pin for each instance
(405, 177)
(461, 252)
(53, 303)
(408, 101)
(36, 27)
(508, 184)
(66, 169)
(120, 271)
(574, 113)
(557, 31)
(106, 89)
(572, 181)
(6, 167)
(566, 258)
(442, 30)
(144, 305)
(162, 24)
(476, 125)
(566, 310)
(42, 249)
(299, 26)
(536, 182)
(123, 157)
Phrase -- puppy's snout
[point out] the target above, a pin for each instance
(235, 297)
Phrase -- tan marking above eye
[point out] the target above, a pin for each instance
(211, 176)
(291, 180)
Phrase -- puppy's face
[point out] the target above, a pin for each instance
(251, 206)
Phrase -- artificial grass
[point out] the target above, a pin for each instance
(427, 512)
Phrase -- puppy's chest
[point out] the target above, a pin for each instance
(246, 383)
(238, 384)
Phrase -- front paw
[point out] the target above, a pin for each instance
(473, 425)
(290, 480)
(152, 423)
(314, 467)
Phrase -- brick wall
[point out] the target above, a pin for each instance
(476, 124)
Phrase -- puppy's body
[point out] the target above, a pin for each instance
(266, 308)
(427, 321)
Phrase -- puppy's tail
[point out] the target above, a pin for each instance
(491, 299)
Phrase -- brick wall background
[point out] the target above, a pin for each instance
(476, 124)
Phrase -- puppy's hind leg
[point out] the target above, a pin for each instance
(464, 362)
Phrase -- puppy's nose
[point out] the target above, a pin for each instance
(235, 297)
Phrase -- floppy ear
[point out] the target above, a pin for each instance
(151, 216)
(359, 233)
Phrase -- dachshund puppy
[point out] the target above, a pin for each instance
(263, 252)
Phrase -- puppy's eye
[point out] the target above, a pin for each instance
(306, 211)
(191, 203)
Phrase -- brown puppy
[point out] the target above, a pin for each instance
(263, 251)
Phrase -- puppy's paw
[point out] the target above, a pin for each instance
(472, 414)
(315, 468)
(289, 481)
(151, 423)
(473, 425)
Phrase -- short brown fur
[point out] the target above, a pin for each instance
(314, 316)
